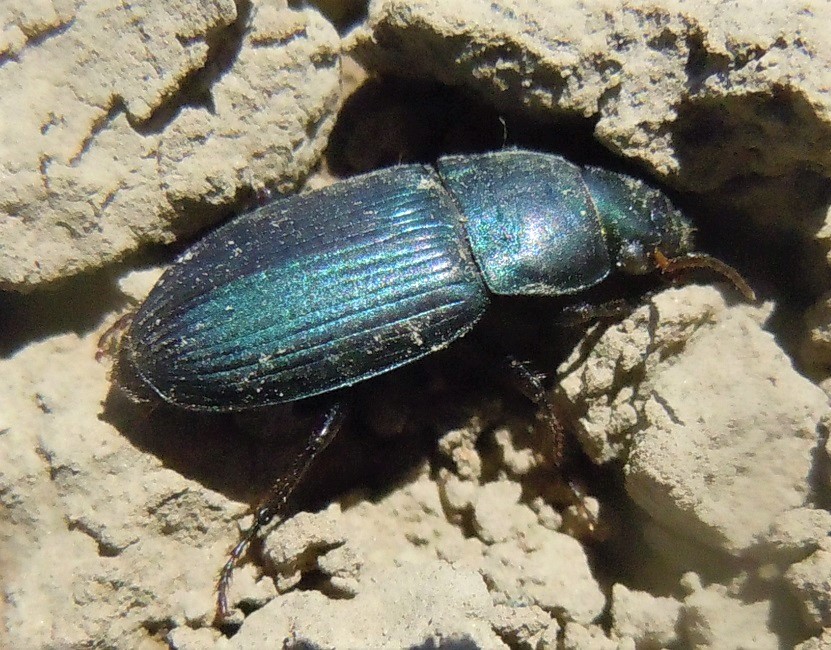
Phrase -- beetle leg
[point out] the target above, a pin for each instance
(530, 384)
(275, 503)
(583, 313)
(109, 340)
(580, 520)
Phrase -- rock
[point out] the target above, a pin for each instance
(497, 517)
(588, 637)
(710, 618)
(822, 642)
(698, 465)
(547, 569)
(649, 621)
(133, 537)
(810, 581)
(110, 142)
(794, 535)
(655, 76)
(420, 605)
(695, 464)
(141, 114)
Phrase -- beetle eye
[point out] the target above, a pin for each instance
(633, 259)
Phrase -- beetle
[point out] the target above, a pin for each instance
(315, 292)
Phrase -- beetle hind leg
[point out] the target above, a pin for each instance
(276, 502)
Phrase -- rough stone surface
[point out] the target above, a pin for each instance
(649, 71)
(794, 535)
(649, 621)
(495, 524)
(588, 637)
(609, 386)
(710, 463)
(815, 351)
(78, 492)
(821, 642)
(712, 618)
(528, 566)
(140, 112)
(435, 605)
(694, 465)
(114, 520)
(810, 580)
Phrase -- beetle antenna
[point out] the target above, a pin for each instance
(703, 261)
(277, 499)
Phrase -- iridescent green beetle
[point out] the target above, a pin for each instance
(316, 292)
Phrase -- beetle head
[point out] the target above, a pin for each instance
(665, 230)
(637, 220)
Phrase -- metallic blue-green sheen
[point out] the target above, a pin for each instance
(532, 225)
(309, 294)
(319, 291)
(632, 211)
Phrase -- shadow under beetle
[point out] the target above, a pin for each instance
(319, 291)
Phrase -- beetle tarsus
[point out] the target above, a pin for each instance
(227, 571)
(275, 503)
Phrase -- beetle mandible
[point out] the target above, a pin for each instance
(318, 291)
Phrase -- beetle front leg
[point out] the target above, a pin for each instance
(530, 384)
(583, 313)
(276, 502)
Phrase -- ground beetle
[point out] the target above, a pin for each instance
(319, 291)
